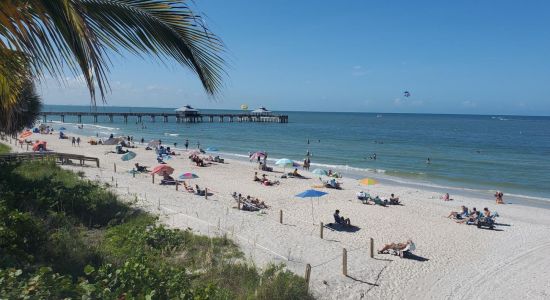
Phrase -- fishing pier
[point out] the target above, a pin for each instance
(185, 114)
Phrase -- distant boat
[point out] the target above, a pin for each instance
(379, 116)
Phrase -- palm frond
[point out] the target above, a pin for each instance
(61, 35)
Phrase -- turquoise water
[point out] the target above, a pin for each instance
(510, 153)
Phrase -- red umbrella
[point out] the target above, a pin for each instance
(162, 168)
(25, 134)
(37, 145)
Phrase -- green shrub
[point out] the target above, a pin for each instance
(64, 237)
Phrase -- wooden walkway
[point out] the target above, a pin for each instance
(63, 158)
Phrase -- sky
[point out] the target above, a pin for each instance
(465, 57)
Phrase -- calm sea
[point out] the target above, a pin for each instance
(470, 152)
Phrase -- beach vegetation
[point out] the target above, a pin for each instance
(63, 236)
(4, 148)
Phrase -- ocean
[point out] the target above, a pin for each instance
(475, 153)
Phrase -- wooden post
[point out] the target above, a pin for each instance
(308, 273)
(345, 262)
(134, 174)
(239, 205)
(112, 178)
(321, 230)
(206, 193)
(281, 216)
(153, 178)
(114, 166)
(116, 183)
(177, 185)
(371, 247)
(27, 147)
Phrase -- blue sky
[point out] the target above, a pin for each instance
(487, 57)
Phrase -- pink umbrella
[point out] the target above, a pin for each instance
(257, 154)
(161, 169)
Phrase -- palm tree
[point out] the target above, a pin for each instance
(53, 37)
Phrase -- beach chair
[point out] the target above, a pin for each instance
(488, 222)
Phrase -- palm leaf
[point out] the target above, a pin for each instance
(73, 35)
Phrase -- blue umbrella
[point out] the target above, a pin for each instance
(311, 194)
(212, 149)
(128, 156)
(62, 128)
(284, 162)
(320, 172)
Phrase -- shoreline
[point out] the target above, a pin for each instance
(442, 244)
(358, 173)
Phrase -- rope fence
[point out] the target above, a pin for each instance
(142, 201)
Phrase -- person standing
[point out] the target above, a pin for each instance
(73, 141)
(78, 141)
(186, 144)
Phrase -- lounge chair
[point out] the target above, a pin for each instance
(488, 222)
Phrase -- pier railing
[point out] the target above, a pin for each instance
(63, 158)
(179, 117)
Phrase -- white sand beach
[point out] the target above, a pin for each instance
(456, 261)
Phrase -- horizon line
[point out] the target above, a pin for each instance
(320, 111)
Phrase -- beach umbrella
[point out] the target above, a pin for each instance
(112, 141)
(153, 143)
(368, 181)
(161, 169)
(320, 172)
(257, 154)
(284, 162)
(62, 128)
(25, 134)
(311, 194)
(128, 156)
(187, 175)
(212, 149)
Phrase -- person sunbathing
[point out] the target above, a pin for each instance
(167, 179)
(295, 173)
(394, 246)
(394, 200)
(472, 217)
(459, 214)
(140, 168)
(340, 219)
(256, 178)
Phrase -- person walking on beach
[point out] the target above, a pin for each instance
(73, 141)
(78, 141)
(186, 144)
(498, 197)
(142, 140)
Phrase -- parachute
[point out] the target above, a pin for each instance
(244, 107)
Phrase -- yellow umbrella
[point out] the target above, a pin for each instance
(368, 181)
